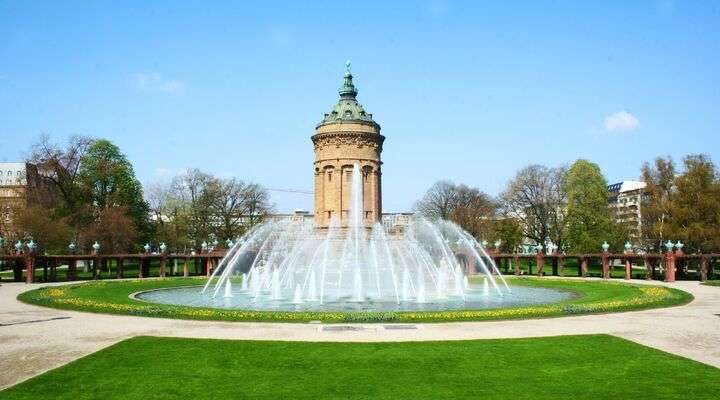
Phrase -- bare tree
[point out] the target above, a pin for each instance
(60, 167)
(198, 191)
(213, 207)
(536, 197)
(470, 208)
(439, 201)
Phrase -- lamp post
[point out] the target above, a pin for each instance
(147, 247)
(669, 245)
(71, 247)
(628, 247)
(18, 247)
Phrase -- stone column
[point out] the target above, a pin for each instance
(17, 269)
(162, 265)
(628, 268)
(96, 266)
(583, 267)
(53, 269)
(650, 266)
(120, 273)
(704, 268)
(72, 269)
(605, 266)
(29, 268)
(141, 266)
(517, 264)
(669, 266)
(561, 265)
(186, 265)
(540, 260)
(208, 267)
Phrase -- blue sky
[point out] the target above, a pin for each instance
(466, 91)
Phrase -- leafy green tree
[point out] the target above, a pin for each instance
(509, 232)
(107, 180)
(656, 205)
(589, 220)
(695, 205)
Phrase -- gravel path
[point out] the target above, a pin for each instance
(36, 339)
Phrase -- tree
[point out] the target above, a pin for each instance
(695, 205)
(238, 206)
(439, 201)
(196, 189)
(468, 207)
(169, 215)
(59, 169)
(214, 208)
(656, 204)
(113, 229)
(536, 198)
(107, 181)
(36, 222)
(509, 232)
(589, 220)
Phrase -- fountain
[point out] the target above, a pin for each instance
(346, 259)
(354, 263)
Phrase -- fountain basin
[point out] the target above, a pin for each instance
(475, 298)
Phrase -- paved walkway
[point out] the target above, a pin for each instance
(36, 339)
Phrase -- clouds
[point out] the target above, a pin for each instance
(621, 121)
(157, 83)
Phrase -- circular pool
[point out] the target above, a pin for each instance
(475, 298)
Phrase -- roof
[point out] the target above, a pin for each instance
(626, 186)
(347, 108)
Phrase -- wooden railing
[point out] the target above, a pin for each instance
(673, 265)
(96, 263)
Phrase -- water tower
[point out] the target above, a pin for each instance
(347, 136)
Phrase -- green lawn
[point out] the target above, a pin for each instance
(592, 297)
(712, 283)
(565, 367)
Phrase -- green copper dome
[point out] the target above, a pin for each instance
(348, 109)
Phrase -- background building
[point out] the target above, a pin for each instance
(19, 186)
(625, 199)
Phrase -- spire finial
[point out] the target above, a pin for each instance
(347, 90)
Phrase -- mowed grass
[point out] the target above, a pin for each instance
(565, 367)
